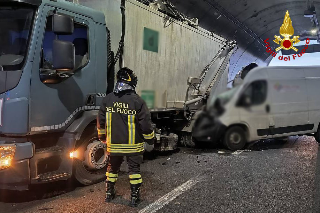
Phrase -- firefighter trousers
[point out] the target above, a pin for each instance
(133, 165)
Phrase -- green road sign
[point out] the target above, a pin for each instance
(150, 40)
(148, 97)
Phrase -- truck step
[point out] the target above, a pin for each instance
(49, 149)
(52, 176)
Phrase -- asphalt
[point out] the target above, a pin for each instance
(269, 176)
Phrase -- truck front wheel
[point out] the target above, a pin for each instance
(234, 138)
(91, 161)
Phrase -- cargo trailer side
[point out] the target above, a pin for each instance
(162, 51)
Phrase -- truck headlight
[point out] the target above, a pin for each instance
(6, 155)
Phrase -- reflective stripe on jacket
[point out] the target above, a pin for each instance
(125, 122)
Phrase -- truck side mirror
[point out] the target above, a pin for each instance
(62, 24)
(63, 54)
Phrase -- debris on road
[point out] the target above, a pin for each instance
(45, 209)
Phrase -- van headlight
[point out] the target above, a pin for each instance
(6, 155)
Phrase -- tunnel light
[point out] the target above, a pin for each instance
(314, 31)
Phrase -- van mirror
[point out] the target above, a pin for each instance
(63, 55)
(62, 24)
(246, 101)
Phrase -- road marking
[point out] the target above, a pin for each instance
(161, 202)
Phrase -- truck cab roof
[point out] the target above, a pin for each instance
(77, 8)
(33, 2)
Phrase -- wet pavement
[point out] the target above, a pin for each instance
(269, 176)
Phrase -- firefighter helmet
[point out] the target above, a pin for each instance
(127, 76)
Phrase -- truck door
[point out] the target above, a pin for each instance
(55, 102)
(254, 109)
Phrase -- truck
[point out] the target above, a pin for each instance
(58, 60)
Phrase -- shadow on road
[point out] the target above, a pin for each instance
(50, 190)
(38, 192)
(260, 145)
(271, 144)
(156, 154)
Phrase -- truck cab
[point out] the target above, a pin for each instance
(52, 81)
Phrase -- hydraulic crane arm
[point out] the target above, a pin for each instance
(196, 83)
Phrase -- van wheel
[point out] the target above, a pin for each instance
(91, 161)
(234, 138)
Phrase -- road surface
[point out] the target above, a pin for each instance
(269, 176)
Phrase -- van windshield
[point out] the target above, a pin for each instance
(15, 25)
(224, 97)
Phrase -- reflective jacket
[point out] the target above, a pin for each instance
(124, 123)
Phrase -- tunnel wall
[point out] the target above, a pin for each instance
(240, 59)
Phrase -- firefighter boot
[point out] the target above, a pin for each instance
(135, 195)
(110, 191)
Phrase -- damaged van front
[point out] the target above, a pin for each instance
(209, 125)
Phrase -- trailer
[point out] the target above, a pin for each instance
(58, 60)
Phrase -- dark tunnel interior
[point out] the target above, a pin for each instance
(249, 22)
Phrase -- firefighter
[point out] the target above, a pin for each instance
(124, 124)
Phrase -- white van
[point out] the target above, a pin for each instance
(272, 102)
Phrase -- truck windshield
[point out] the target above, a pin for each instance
(15, 28)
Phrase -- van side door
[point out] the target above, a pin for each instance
(313, 84)
(289, 105)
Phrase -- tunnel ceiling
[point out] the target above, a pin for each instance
(247, 21)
